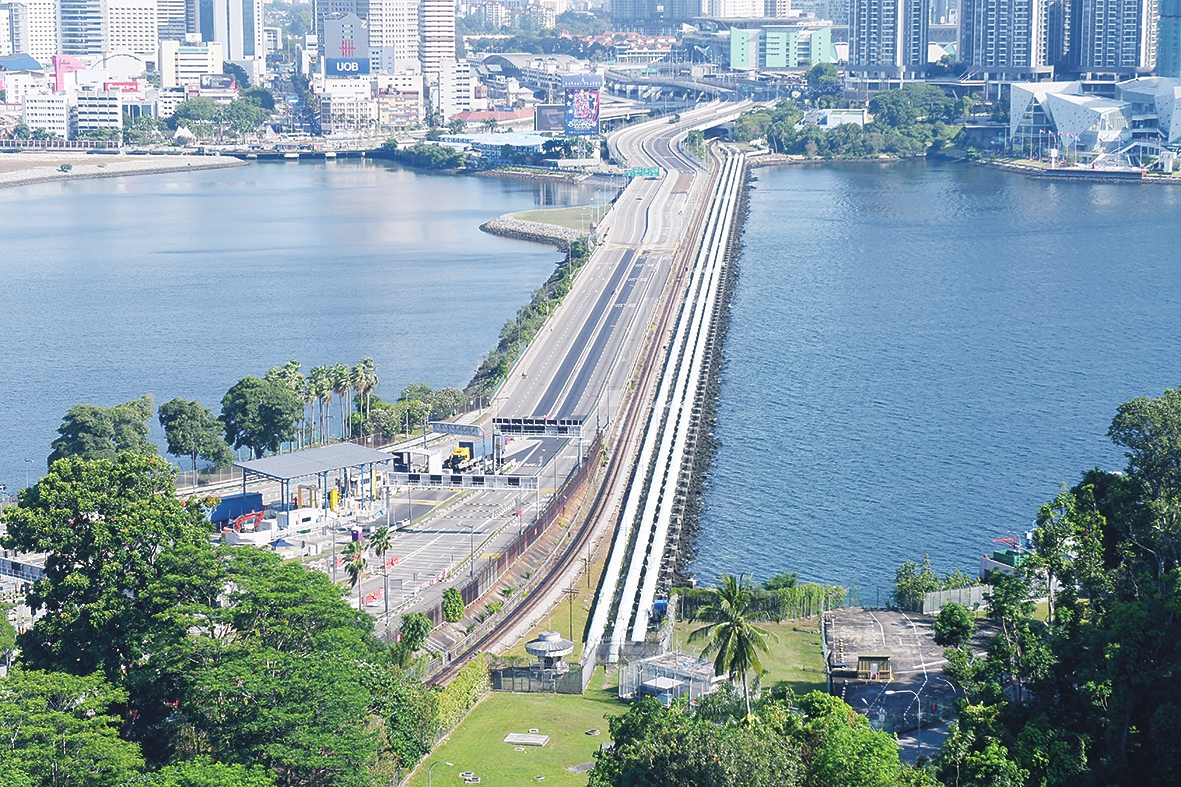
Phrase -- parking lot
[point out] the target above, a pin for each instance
(915, 682)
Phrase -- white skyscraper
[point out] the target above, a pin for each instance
(437, 22)
(130, 26)
(237, 26)
(393, 35)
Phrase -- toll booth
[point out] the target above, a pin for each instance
(874, 666)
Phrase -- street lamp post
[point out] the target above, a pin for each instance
(471, 562)
(28, 463)
(919, 705)
(432, 767)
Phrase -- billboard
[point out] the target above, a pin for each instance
(346, 37)
(582, 104)
(549, 117)
(217, 82)
(345, 66)
(582, 111)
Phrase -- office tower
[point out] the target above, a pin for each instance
(326, 9)
(393, 35)
(1117, 36)
(437, 41)
(1168, 43)
(172, 19)
(888, 38)
(1003, 37)
(237, 26)
(81, 27)
(183, 64)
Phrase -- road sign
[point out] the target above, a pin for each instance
(644, 172)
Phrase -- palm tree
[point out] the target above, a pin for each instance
(354, 554)
(380, 543)
(342, 383)
(320, 385)
(365, 381)
(734, 640)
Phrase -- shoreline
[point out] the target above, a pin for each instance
(43, 167)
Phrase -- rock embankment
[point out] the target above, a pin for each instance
(509, 227)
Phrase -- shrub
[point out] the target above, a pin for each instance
(452, 605)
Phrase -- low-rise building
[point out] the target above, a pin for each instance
(50, 112)
(99, 110)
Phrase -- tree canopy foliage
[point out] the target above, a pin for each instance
(906, 122)
(92, 432)
(1089, 695)
(818, 741)
(260, 414)
(228, 665)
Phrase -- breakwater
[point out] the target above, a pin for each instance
(509, 227)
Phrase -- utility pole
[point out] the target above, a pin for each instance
(570, 594)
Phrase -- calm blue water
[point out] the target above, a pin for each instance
(920, 354)
(180, 284)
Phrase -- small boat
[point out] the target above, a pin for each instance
(329, 154)
(291, 156)
(251, 155)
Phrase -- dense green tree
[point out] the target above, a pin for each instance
(452, 605)
(260, 415)
(192, 430)
(823, 78)
(203, 772)
(57, 730)
(415, 628)
(656, 747)
(844, 749)
(781, 581)
(105, 525)
(734, 641)
(92, 432)
(954, 626)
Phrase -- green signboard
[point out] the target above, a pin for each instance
(644, 172)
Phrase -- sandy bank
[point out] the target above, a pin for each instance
(25, 168)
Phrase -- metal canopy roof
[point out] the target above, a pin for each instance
(314, 461)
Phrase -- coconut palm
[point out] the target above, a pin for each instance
(342, 383)
(364, 382)
(380, 543)
(733, 640)
(320, 383)
(355, 565)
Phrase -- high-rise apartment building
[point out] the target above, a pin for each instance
(1168, 42)
(733, 9)
(437, 41)
(393, 35)
(1004, 38)
(5, 30)
(888, 38)
(1117, 36)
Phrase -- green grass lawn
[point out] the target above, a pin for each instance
(475, 745)
(795, 655)
(578, 217)
(559, 617)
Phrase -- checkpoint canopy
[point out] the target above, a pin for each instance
(314, 462)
